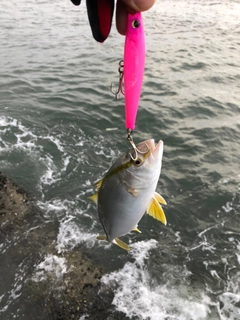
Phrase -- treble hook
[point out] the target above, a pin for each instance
(130, 139)
(118, 92)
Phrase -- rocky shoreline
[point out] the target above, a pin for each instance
(70, 293)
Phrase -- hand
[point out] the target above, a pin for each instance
(100, 14)
(129, 6)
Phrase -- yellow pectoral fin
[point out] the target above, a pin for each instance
(102, 238)
(94, 198)
(159, 198)
(121, 244)
(155, 210)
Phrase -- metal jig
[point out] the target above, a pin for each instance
(130, 139)
(119, 91)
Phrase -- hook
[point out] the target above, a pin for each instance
(130, 139)
(118, 92)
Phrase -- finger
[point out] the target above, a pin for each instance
(139, 5)
(129, 6)
(121, 17)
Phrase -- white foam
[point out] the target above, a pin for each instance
(50, 176)
(80, 144)
(230, 306)
(238, 258)
(54, 140)
(66, 161)
(55, 207)
(51, 265)
(85, 316)
(16, 286)
(70, 235)
(140, 250)
(228, 207)
(136, 295)
(21, 137)
(205, 245)
(7, 121)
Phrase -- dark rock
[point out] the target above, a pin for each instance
(27, 240)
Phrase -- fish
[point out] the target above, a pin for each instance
(128, 190)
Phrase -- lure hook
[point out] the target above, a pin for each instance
(119, 91)
(136, 150)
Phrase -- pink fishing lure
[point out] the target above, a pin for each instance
(134, 61)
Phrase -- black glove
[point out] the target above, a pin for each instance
(100, 14)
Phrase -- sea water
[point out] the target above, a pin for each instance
(55, 142)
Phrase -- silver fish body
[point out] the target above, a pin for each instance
(128, 190)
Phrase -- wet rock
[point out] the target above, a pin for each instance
(14, 208)
(45, 284)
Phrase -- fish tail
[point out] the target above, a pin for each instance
(121, 244)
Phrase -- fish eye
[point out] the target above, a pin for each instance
(138, 162)
(136, 24)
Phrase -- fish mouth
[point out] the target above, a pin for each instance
(149, 147)
(159, 148)
(156, 149)
(151, 144)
